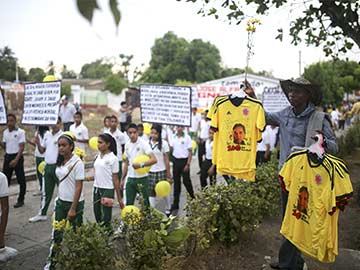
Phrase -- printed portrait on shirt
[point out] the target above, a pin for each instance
(303, 200)
(238, 134)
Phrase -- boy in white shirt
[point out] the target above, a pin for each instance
(134, 148)
(50, 148)
(6, 253)
(80, 131)
(14, 143)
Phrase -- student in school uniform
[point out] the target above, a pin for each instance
(106, 181)
(6, 253)
(69, 204)
(106, 124)
(203, 136)
(80, 131)
(66, 112)
(182, 154)
(39, 157)
(14, 143)
(50, 148)
(119, 139)
(141, 134)
(134, 148)
(161, 170)
(208, 169)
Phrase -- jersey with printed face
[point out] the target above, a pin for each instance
(310, 221)
(239, 124)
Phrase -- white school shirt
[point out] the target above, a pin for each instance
(37, 152)
(67, 113)
(272, 135)
(13, 139)
(132, 150)
(181, 146)
(261, 146)
(4, 187)
(159, 154)
(119, 139)
(68, 185)
(104, 168)
(81, 133)
(195, 120)
(50, 144)
(204, 129)
(208, 149)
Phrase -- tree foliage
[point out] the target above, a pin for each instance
(8, 66)
(36, 74)
(174, 58)
(332, 24)
(67, 73)
(96, 70)
(115, 83)
(335, 78)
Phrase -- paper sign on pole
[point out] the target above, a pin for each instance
(274, 100)
(41, 103)
(3, 119)
(165, 104)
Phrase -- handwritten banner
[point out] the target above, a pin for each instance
(166, 104)
(3, 118)
(274, 100)
(41, 103)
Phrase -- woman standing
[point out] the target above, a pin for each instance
(69, 205)
(160, 170)
(106, 180)
(39, 157)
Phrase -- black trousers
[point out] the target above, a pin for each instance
(19, 172)
(260, 157)
(201, 152)
(178, 172)
(204, 173)
(67, 125)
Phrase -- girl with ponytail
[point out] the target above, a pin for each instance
(106, 181)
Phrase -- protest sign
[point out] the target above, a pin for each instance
(3, 119)
(41, 103)
(165, 104)
(274, 100)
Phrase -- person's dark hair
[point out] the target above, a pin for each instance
(79, 114)
(239, 125)
(69, 139)
(11, 115)
(59, 119)
(140, 126)
(113, 117)
(41, 130)
(123, 103)
(158, 129)
(110, 140)
(106, 117)
(132, 125)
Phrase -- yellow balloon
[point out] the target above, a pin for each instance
(193, 144)
(91, 115)
(147, 128)
(93, 143)
(131, 209)
(142, 159)
(163, 188)
(123, 157)
(50, 78)
(41, 167)
(69, 133)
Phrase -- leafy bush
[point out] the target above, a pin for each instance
(88, 247)
(351, 140)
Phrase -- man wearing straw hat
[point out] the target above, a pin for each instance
(297, 124)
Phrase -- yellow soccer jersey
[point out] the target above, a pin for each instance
(310, 222)
(239, 128)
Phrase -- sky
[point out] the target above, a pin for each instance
(42, 30)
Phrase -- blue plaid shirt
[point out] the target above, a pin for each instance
(293, 127)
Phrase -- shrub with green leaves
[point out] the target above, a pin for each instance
(350, 141)
(88, 247)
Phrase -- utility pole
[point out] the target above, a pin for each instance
(299, 63)
(16, 72)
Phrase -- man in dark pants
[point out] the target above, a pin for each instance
(14, 143)
(297, 124)
(182, 154)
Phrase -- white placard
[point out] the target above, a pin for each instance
(41, 103)
(274, 100)
(3, 118)
(166, 104)
(194, 97)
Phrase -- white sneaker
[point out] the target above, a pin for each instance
(7, 253)
(38, 218)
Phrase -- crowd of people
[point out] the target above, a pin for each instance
(116, 175)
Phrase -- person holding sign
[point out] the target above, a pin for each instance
(14, 143)
(67, 112)
(80, 131)
(134, 148)
(50, 148)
